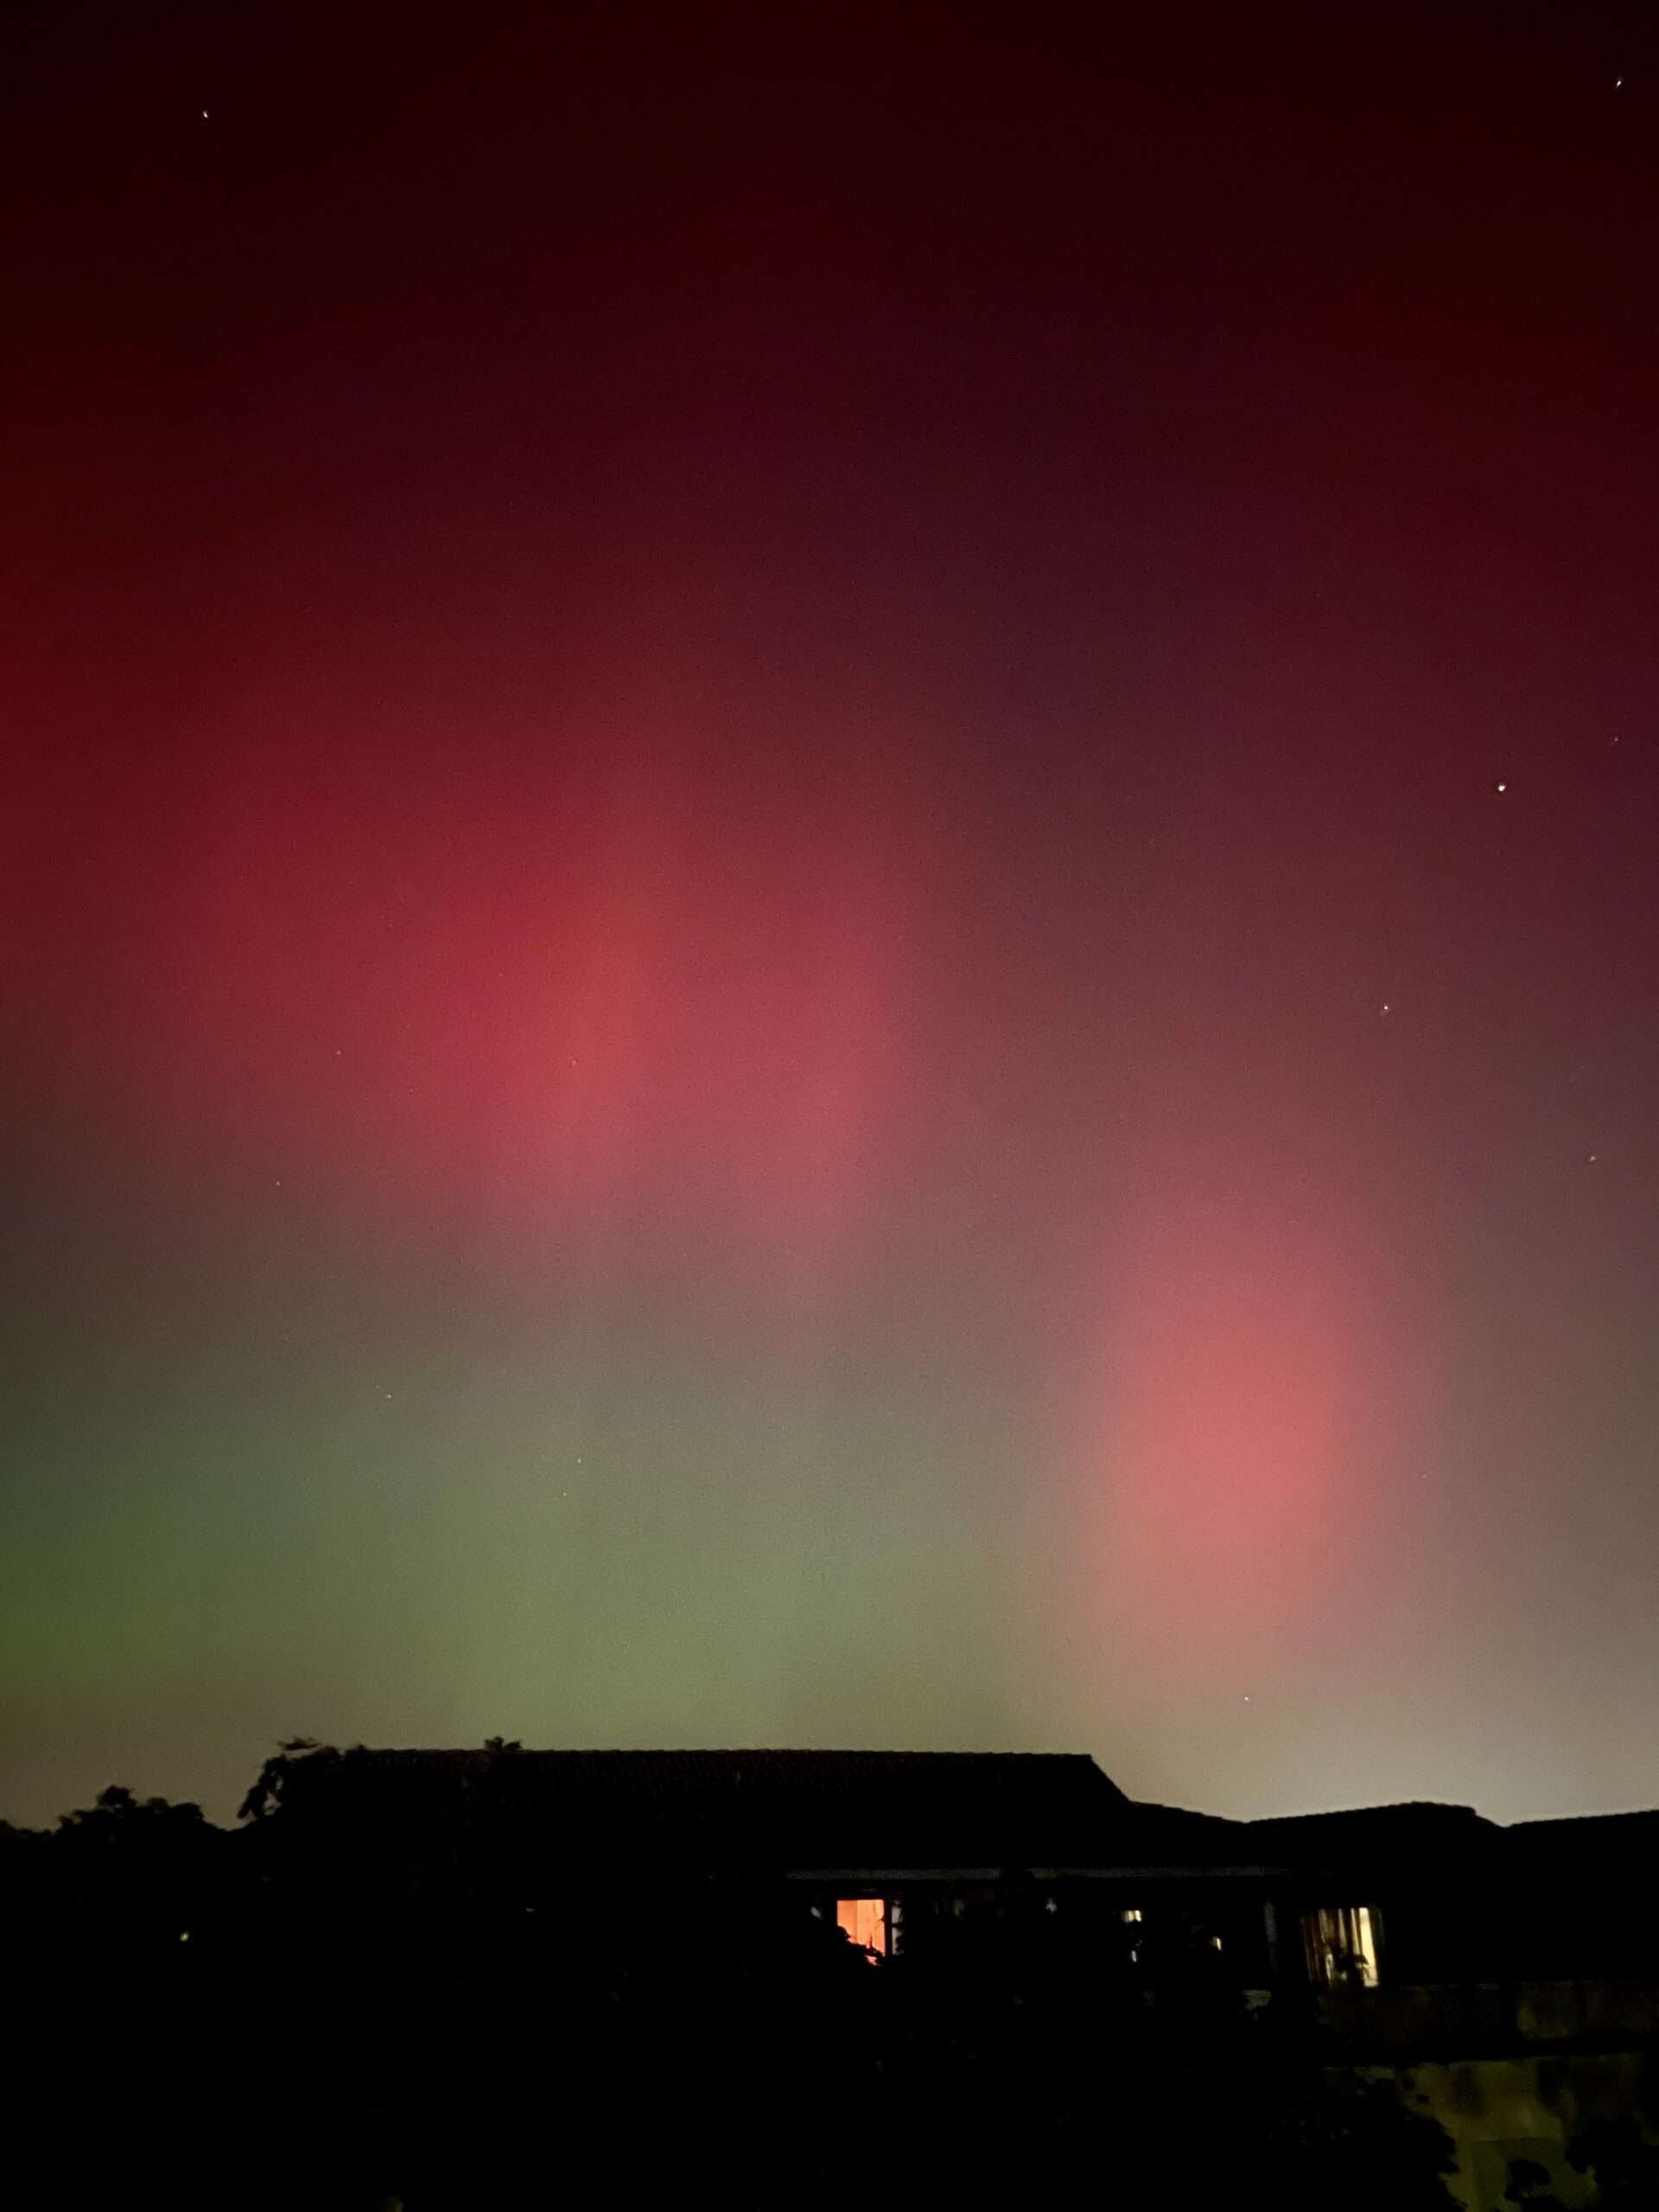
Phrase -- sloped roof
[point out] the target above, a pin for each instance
(1169, 1835)
(803, 1807)
(893, 1810)
(1613, 1837)
(1368, 1833)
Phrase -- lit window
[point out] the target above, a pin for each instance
(865, 1920)
(1365, 1946)
(1340, 1941)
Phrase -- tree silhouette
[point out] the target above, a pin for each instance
(1624, 2165)
(1528, 2185)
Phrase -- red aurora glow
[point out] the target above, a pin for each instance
(1219, 1455)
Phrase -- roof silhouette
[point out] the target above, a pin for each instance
(1413, 1830)
(821, 1807)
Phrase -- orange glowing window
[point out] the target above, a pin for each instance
(865, 1920)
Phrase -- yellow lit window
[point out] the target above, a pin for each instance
(1341, 1945)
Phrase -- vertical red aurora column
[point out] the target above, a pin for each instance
(1217, 1446)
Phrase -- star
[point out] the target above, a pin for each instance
(1385, 1005)
(1503, 787)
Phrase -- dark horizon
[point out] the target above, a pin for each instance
(835, 1752)
(828, 852)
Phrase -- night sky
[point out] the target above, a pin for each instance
(830, 891)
